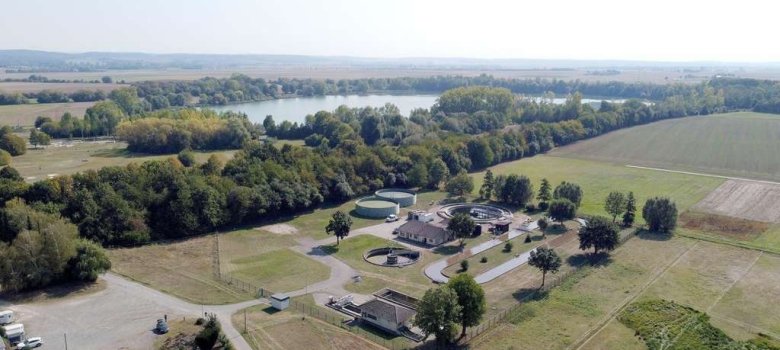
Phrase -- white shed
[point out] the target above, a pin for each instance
(280, 301)
(6, 317)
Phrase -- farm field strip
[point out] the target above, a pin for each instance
(740, 144)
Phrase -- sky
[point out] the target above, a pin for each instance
(657, 30)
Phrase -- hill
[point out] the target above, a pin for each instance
(742, 144)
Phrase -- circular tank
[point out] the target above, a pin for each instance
(404, 198)
(376, 207)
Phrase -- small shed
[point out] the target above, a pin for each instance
(280, 301)
(502, 226)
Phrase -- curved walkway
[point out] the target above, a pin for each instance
(433, 271)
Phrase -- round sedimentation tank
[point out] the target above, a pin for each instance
(404, 198)
(376, 207)
(480, 213)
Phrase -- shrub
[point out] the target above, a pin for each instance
(14, 145)
(542, 224)
(187, 158)
(527, 238)
(464, 265)
(508, 247)
(530, 207)
(200, 321)
(5, 157)
(543, 206)
(483, 260)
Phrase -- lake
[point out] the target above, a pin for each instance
(296, 109)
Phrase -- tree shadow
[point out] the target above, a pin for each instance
(52, 292)
(329, 249)
(653, 236)
(530, 294)
(589, 259)
(447, 250)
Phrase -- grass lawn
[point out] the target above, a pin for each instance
(24, 115)
(279, 330)
(739, 144)
(598, 179)
(185, 268)
(587, 298)
(72, 157)
(410, 278)
(495, 256)
(280, 270)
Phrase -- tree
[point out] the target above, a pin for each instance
(90, 261)
(372, 129)
(437, 173)
(630, 213)
(480, 153)
(544, 195)
(516, 190)
(570, 191)
(600, 234)
(471, 298)
(462, 226)
(13, 144)
(660, 214)
(486, 190)
(438, 313)
(460, 185)
(339, 225)
(5, 158)
(561, 210)
(615, 204)
(546, 260)
(418, 175)
(39, 138)
(186, 157)
(106, 79)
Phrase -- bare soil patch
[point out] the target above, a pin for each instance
(744, 199)
(279, 229)
(729, 227)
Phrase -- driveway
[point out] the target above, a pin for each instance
(119, 317)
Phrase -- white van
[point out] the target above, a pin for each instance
(14, 333)
(6, 317)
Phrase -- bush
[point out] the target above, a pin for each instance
(530, 207)
(508, 247)
(14, 145)
(542, 224)
(483, 260)
(464, 265)
(200, 321)
(186, 157)
(543, 206)
(206, 339)
(5, 157)
(527, 238)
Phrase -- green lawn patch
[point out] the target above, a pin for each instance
(280, 270)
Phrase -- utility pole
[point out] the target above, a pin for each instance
(244, 320)
(66, 340)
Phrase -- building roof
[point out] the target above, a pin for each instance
(424, 229)
(388, 311)
(280, 297)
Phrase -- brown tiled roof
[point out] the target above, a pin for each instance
(388, 311)
(424, 230)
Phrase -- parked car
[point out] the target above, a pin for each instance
(30, 343)
(162, 326)
(392, 218)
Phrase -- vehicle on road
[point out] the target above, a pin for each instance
(14, 333)
(392, 218)
(161, 327)
(30, 343)
(6, 316)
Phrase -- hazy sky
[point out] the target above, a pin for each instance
(678, 30)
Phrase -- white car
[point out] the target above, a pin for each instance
(392, 218)
(30, 343)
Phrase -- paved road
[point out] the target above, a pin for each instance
(433, 271)
(119, 317)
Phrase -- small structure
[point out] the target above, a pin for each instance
(6, 317)
(419, 215)
(375, 207)
(404, 198)
(280, 301)
(387, 315)
(501, 226)
(423, 232)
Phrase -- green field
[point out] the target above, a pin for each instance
(279, 270)
(598, 179)
(740, 144)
